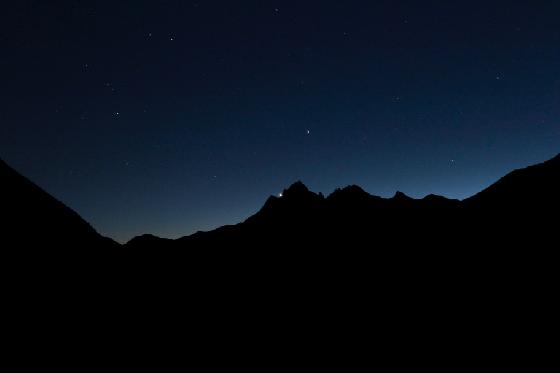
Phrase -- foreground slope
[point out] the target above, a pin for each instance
(535, 187)
(37, 225)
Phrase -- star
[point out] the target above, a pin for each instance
(308, 132)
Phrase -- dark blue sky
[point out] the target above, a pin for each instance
(167, 117)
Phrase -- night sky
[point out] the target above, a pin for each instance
(169, 117)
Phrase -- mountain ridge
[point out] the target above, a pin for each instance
(296, 207)
(298, 195)
(302, 247)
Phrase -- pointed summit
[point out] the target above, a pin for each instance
(296, 190)
(400, 196)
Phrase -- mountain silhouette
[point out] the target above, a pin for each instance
(514, 208)
(395, 268)
(353, 228)
(38, 227)
(342, 267)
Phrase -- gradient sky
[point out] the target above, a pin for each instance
(169, 117)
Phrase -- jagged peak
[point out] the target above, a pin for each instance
(297, 189)
(351, 190)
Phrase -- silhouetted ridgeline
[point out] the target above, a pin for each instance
(349, 224)
(517, 209)
(414, 276)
